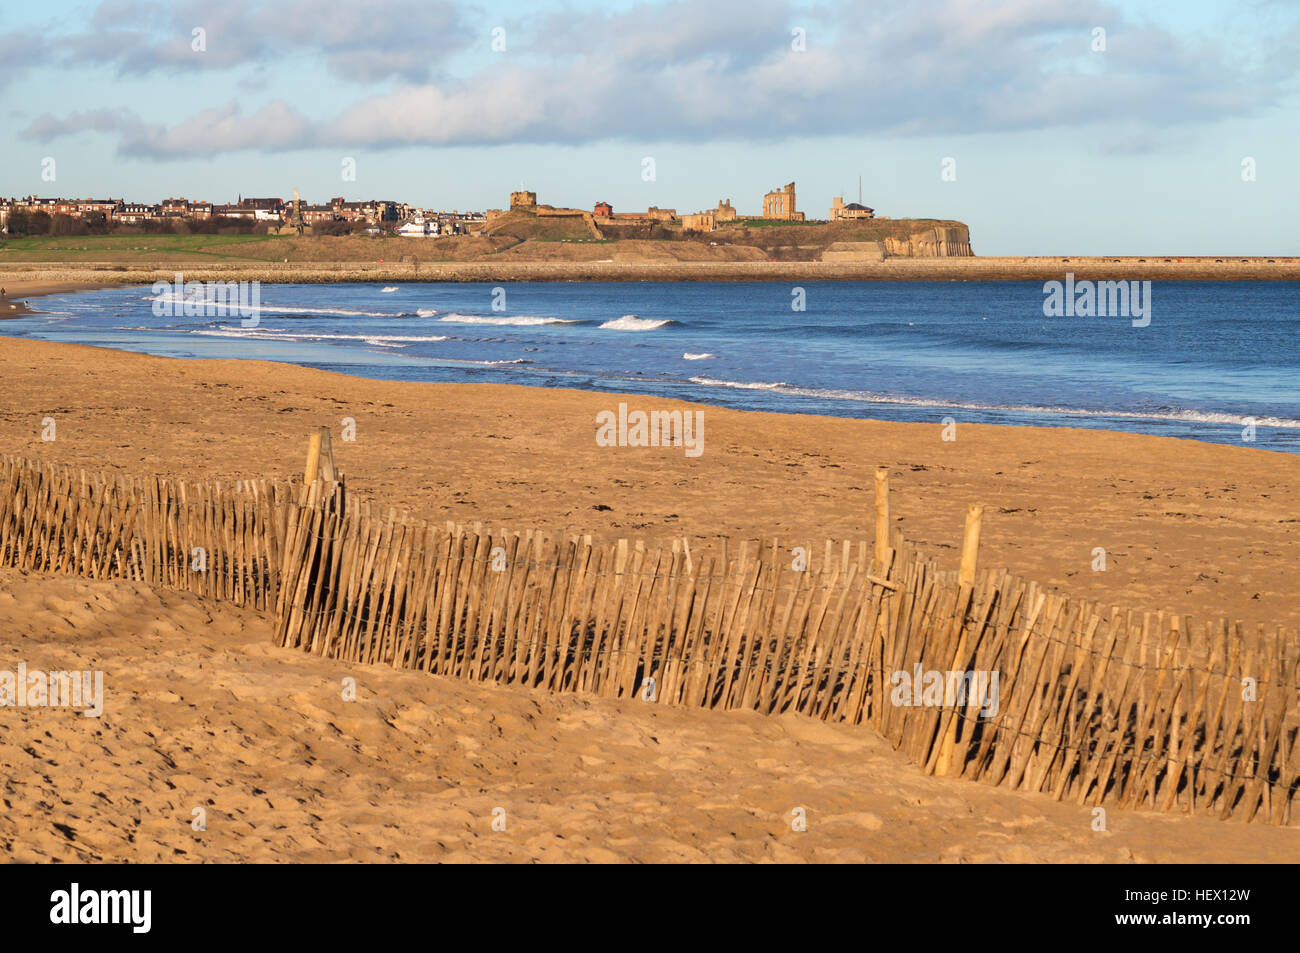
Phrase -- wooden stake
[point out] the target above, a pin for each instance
(326, 456)
(882, 517)
(309, 472)
(970, 547)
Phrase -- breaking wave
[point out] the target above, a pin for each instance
(1188, 416)
(519, 320)
(631, 322)
(268, 334)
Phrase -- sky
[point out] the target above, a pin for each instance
(1048, 126)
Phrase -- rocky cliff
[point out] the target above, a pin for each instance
(943, 241)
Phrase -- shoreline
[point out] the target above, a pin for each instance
(624, 395)
(1073, 418)
(522, 457)
(40, 289)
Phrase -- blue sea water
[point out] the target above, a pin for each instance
(1214, 358)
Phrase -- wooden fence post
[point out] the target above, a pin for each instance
(326, 457)
(310, 472)
(882, 517)
(970, 547)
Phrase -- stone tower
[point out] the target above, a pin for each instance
(780, 204)
(523, 200)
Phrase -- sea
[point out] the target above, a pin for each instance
(1217, 362)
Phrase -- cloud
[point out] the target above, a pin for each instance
(121, 121)
(20, 51)
(701, 70)
(220, 129)
(361, 40)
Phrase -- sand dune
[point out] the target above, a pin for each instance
(201, 712)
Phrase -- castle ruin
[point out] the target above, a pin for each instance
(779, 204)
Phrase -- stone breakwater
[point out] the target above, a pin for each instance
(37, 279)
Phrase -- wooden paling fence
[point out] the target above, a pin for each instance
(972, 674)
(220, 541)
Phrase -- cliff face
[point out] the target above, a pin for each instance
(937, 241)
(945, 241)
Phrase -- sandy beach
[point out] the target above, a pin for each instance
(200, 703)
(672, 432)
(1202, 529)
(202, 712)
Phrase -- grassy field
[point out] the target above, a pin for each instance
(131, 249)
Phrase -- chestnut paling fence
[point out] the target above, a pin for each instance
(1090, 704)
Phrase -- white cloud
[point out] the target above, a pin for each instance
(724, 70)
(360, 40)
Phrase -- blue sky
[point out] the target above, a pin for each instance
(1059, 148)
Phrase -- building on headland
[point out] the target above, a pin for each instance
(99, 209)
(435, 223)
(281, 216)
(184, 208)
(102, 209)
(32, 203)
(853, 210)
(271, 212)
(317, 214)
(457, 222)
(653, 214)
(263, 205)
(779, 204)
(372, 212)
(710, 219)
(527, 202)
(133, 213)
(705, 221)
(236, 212)
(417, 228)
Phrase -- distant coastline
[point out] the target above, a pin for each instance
(32, 279)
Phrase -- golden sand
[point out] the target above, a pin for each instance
(203, 712)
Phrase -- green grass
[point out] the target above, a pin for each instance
(766, 223)
(130, 247)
